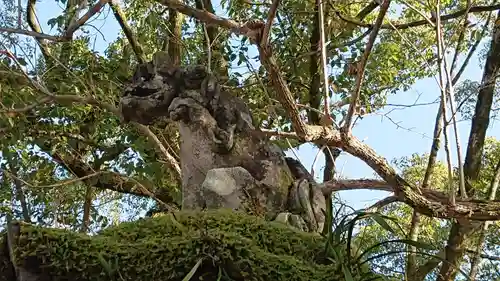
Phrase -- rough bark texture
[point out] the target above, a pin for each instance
(224, 164)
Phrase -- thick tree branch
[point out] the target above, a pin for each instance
(113, 181)
(32, 22)
(343, 185)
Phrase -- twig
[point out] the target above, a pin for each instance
(361, 66)
(419, 12)
(59, 184)
(315, 159)
(472, 50)
(461, 36)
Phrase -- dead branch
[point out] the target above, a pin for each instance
(441, 66)
(327, 119)
(382, 203)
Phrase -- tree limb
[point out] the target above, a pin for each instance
(81, 21)
(122, 20)
(270, 18)
(361, 66)
(473, 9)
(33, 34)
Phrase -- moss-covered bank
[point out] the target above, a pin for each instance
(233, 245)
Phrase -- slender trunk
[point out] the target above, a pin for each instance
(18, 189)
(172, 43)
(314, 73)
(89, 195)
(331, 154)
(217, 41)
(411, 265)
(480, 123)
(479, 247)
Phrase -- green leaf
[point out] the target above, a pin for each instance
(383, 223)
(192, 271)
(347, 273)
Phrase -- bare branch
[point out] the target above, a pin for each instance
(343, 185)
(206, 17)
(327, 119)
(270, 18)
(441, 58)
(471, 51)
(473, 9)
(81, 21)
(33, 34)
(361, 66)
(170, 159)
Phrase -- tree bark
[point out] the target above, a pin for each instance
(480, 122)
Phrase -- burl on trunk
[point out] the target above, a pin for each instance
(224, 162)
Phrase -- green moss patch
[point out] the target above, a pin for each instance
(232, 246)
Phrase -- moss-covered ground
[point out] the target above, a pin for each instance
(232, 246)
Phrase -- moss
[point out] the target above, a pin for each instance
(239, 246)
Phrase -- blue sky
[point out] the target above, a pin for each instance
(413, 136)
